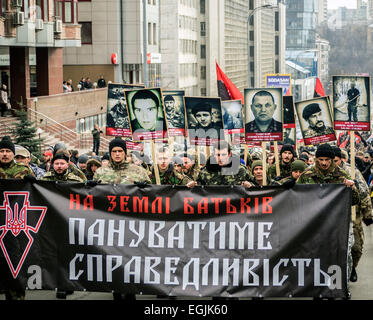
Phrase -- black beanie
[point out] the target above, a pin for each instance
(117, 142)
(337, 152)
(6, 143)
(61, 155)
(287, 147)
(325, 150)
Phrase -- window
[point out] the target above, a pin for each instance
(3, 6)
(203, 72)
(154, 33)
(203, 51)
(203, 92)
(251, 5)
(251, 35)
(86, 32)
(202, 6)
(251, 51)
(203, 29)
(66, 10)
(149, 33)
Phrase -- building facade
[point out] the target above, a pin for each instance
(33, 34)
(113, 42)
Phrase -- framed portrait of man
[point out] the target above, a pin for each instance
(146, 114)
(315, 120)
(351, 102)
(117, 120)
(232, 116)
(204, 120)
(175, 111)
(263, 114)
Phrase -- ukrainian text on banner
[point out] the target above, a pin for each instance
(211, 241)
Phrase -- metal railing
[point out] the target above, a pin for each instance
(58, 130)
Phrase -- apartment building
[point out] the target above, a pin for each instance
(33, 34)
(113, 42)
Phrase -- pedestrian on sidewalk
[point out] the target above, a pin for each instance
(96, 139)
(3, 100)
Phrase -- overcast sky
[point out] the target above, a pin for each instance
(334, 4)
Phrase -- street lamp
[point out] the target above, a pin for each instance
(265, 6)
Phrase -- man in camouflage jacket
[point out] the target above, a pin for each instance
(363, 212)
(9, 169)
(325, 171)
(167, 172)
(190, 168)
(120, 171)
(287, 155)
(60, 169)
(222, 168)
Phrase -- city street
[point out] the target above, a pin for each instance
(360, 290)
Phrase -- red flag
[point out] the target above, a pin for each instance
(319, 90)
(226, 89)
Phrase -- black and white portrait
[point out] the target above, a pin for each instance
(232, 116)
(175, 111)
(351, 102)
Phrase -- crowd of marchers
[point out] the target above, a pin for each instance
(325, 163)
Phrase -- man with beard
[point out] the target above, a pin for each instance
(118, 116)
(174, 116)
(287, 155)
(60, 169)
(189, 166)
(313, 115)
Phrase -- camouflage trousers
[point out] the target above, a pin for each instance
(357, 248)
(351, 241)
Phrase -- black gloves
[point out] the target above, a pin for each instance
(92, 183)
(29, 178)
(141, 184)
(368, 221)
(289, 183)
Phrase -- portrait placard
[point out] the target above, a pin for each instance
(204, 120)
(315, 120)
(117, 120)
(263, 114)
(232, 116)
(175, 112)
(146, 113)
(351, 102)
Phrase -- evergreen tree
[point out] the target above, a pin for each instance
(25, 135)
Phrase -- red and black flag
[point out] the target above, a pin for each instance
(226, 89)
(319, 90)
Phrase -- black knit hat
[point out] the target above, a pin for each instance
(325, 150)
(106, 156)
(337, 152)
(287, 147)
(6, 143)
(61, 155)
(117, 142)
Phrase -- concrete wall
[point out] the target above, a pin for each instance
(63, 107)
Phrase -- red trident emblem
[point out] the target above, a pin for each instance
(15, 222)
(20, 216)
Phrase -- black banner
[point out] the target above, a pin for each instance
(210, 241)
